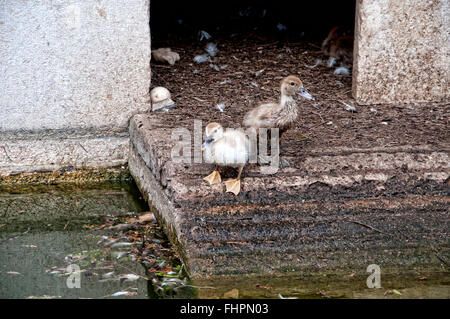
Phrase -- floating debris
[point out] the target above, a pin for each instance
(129, 277)
(233, 293)
(204, 35)
(202, 58)
(342, 70)
(121, 244)
(254, 84)
(149, 217)
(211, 49)
(108, 274)
(120, 293)
(281, 297)
(221, 107)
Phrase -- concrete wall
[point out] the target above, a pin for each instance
(401, 51)
(72, 73)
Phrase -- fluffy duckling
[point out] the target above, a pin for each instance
(225, 148)
(280, 115)
(338, 45)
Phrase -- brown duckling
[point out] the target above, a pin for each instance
(281, 115)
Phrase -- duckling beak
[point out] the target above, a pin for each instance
(208, 141)
(305, 94)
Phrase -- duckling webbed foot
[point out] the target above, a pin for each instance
(233, 186)
(213, 178)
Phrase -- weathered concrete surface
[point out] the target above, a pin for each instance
(51, 151)
(343, 209)
(401, 51)
(72, 74)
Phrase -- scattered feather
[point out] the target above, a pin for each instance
(221, 107)
(227, 81)
(331, 62)
(281, 27)
(13, 272)
(342, 70)
(258, 73)
(254, 84)
(348, 107)
(201, 58)
(213, 66)
(211, 49)
(318, 62)
(204, 35)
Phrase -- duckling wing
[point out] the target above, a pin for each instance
(261, 116)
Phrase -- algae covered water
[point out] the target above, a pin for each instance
(100, 241)
(54, 243)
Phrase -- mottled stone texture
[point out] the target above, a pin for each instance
(72, 68)
(401, 51)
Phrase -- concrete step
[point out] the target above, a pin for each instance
(336, 208)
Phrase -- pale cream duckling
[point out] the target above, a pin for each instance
(225, 148)
(281, 115)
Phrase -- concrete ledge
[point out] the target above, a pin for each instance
(344, 208)
(31, 154)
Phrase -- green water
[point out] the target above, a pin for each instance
(43, 229)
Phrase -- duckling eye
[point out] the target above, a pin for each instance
(292, 83)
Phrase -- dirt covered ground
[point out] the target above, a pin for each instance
(246, 71)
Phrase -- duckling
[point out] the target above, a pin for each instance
(280, 115)
(229, 148)
(338, 45)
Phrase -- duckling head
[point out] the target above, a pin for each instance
(213, 132)
(291, 85)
